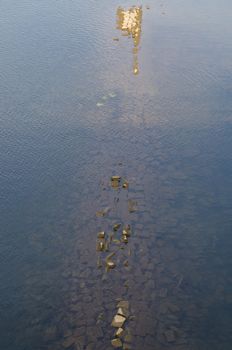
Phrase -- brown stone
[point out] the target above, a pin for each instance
(123, 304)
(116, 343)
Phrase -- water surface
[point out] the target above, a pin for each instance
(73, 113)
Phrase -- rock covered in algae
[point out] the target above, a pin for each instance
(118, 321)
(116, 343)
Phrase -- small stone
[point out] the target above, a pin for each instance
(127, 346)
(124, 239)
(123, 304)
(116, 343)
(116, 39)
(115, 178)
(125, 185)
(119, 332)
(110, 264)
(126, 263)
(101, 234)
(118, 321)
(100, 246)
(126, 233)
(116, 227)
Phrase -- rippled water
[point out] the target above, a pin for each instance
(73, 114)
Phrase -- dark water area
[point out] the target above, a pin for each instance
(80, 102)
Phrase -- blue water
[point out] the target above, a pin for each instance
(167, 129)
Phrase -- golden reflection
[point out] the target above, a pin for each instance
(130, 23)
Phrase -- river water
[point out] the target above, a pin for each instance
(82, 100)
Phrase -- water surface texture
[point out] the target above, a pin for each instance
(81, 99)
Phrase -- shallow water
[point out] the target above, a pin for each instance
(73, 114)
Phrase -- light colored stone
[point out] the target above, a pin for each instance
(123, 312)
(110, 264)
(118, 321)
(101, 234)
(119, 332)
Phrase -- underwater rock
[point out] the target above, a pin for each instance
(123, 312)
(116, 343)
(110, 264)
(116, 227)
(119, 332)
(101, 234)
(123, 304)
(118, 321)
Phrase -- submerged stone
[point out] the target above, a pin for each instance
(116, 343)
(116, 227)
(126, 233)
(123, 312)
(115, 178)
(101, 234)
(125, 184)
(123, 304)
(100, 246)
(124, 239)
(119, 332)
(118, 321)
(110, 264)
